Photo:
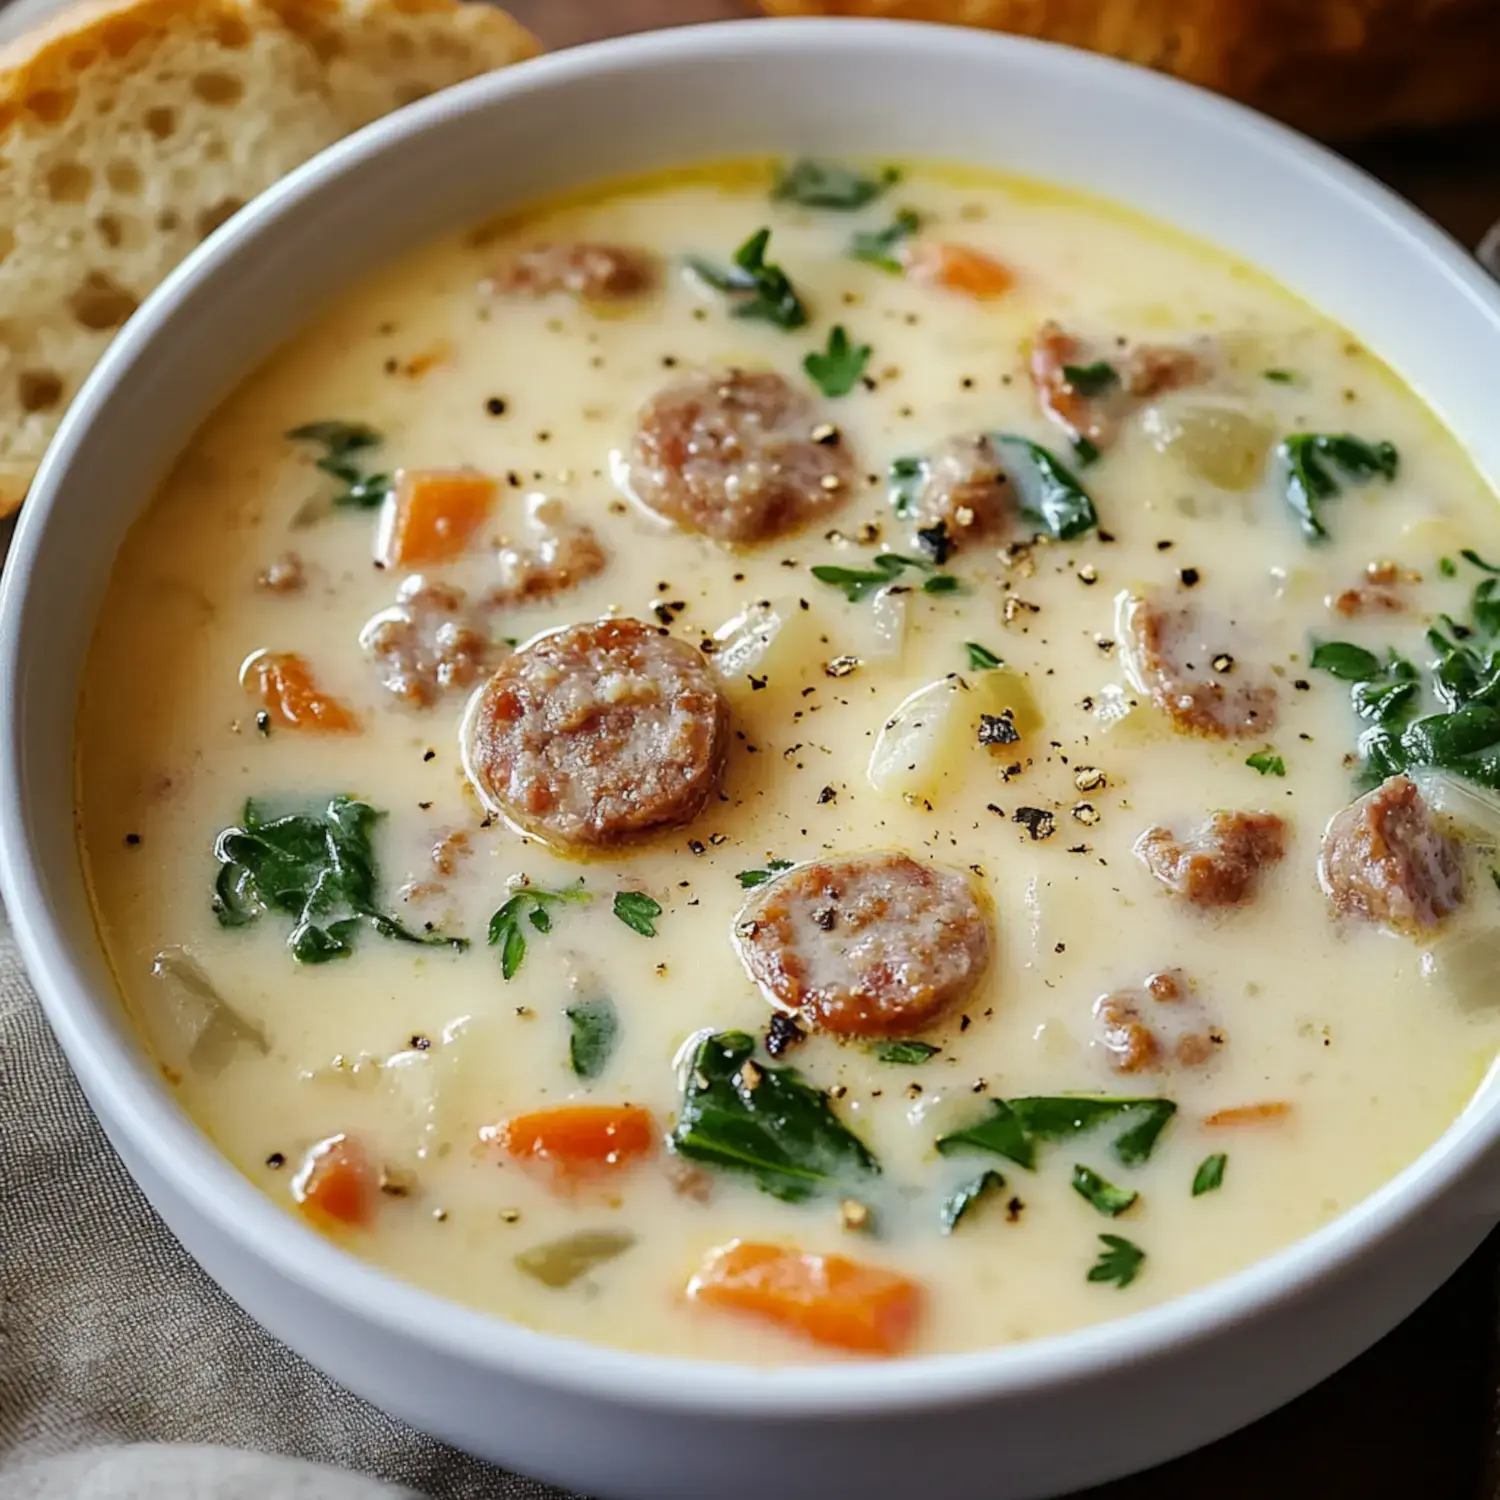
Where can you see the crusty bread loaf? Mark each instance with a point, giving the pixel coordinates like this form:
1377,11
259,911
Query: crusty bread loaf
1336,68
130,129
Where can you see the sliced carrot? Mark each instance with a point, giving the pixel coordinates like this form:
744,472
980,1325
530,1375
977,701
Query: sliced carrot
959,268
336,1182
826,1298
431,513
577,1143
1250,1114
284,682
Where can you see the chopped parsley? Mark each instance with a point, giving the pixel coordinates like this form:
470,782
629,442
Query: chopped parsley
836,370
1119,1261
1091,380
881,247
825,184
1105,1196
909,1053
1013,1128
340,441
1469,555
859,583
1345,661
1210,1174
749,879
981,658
1447,567
1278,377
1313,464
1085,452
319,869
968,1196
594,1030
1267,762
908,476
529,906
756,288
637,911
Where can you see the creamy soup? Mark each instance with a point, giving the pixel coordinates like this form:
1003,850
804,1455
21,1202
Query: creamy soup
772,798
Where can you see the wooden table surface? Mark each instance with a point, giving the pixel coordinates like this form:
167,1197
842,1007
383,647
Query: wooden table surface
1415,1418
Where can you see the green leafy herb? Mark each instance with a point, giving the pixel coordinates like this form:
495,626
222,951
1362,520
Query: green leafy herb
1469,555
749,879
1447,567
1267,762
339,442
981,658
859,583
880,247
637,911
531,904
1091,380
560,1263
1119,1261
1105,1196
962,1199
908,476
1210,1174
595,1029
1049,493
1085,452
760,290
1014,1127
826,184
1278,377
741,1116
316,868
1313,463
1340,659
911,1053
837,369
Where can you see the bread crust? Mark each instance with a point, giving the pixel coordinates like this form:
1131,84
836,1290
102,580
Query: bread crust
1340,69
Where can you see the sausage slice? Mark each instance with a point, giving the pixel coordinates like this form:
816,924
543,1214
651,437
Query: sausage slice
594,273
1384,859
598,733
1179,656
1218,864
966,492
868,945
737,455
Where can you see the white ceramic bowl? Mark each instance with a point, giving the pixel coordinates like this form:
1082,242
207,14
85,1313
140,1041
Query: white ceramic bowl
1022,1421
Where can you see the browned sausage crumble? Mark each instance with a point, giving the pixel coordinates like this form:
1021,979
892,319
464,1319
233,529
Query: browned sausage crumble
598,733
1379,592
427,644
966,492
595,273
1146,1028
1219,863
1384,859
869,945
563,554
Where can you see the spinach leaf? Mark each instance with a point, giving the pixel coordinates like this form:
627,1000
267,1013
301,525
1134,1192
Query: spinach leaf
1267,762
909,1053
339,441
759,290
1085,452
1210,1174
316,868
1119,1261
749,879
637,911
1313,463
1091,380
1014,1127
837,369
962,1199
1105,1196
825,184
595,1030
1469,555
981,658
1278,377
559,1263
859,583
740,1116
531,904
880,247
1340,659
1050,495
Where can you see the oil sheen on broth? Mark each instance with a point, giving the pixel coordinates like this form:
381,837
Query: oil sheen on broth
1026,803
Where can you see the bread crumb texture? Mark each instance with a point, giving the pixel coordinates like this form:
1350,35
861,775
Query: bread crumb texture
131,131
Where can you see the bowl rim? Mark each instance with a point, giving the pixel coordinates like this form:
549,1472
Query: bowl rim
135,1104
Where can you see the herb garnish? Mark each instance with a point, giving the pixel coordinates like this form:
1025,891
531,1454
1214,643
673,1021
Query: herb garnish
908,476
529,904
1267,762
962,1199
637,911
1210,1174
1085,452
1105,1196
595,1028
1050,495
1091,380
559,1263
878,247
1014,1127
826,184
910,1053
749,879
1469,555
1119,1261
859,583
1278,377
318,869
741,1116
1312,464
1346,661
836,370
759,290
339,441
981,658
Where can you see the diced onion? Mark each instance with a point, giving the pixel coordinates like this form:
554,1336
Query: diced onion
1465,963
1221,444
1474,810
211,1028
888,614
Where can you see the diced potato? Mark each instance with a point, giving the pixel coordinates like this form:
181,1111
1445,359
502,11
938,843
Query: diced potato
1462,964
1221,444
934,733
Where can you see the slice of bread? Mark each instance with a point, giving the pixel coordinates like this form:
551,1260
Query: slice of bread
131,129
